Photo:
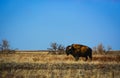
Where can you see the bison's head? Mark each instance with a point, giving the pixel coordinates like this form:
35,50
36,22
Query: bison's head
68,50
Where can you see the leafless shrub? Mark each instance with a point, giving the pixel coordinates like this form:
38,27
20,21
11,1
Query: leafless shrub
94,50
100,48
56,48
61,49
5,47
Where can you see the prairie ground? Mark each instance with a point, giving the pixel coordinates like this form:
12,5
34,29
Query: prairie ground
44,65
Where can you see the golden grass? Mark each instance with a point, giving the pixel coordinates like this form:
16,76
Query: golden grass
44,65
44,57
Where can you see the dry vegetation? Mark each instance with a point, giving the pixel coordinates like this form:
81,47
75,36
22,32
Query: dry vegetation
44,65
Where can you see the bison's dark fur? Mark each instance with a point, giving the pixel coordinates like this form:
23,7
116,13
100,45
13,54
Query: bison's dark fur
77,50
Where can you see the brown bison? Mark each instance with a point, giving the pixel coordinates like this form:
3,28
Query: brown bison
78,50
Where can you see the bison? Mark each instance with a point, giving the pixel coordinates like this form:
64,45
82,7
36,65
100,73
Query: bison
78,50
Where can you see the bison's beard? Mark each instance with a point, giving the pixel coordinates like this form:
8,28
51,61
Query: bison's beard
67,53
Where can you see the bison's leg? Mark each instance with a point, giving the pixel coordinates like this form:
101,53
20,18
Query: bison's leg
76,58
90,56
86,58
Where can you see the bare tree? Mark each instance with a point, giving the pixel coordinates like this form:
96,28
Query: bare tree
5,44
61,49
56,48
94,49
53,48
100,48
5,47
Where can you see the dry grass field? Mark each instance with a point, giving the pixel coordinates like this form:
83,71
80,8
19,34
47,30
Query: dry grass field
44,65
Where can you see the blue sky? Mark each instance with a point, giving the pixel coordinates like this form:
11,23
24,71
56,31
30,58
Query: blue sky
34,24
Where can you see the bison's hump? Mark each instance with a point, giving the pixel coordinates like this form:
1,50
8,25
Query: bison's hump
80,48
